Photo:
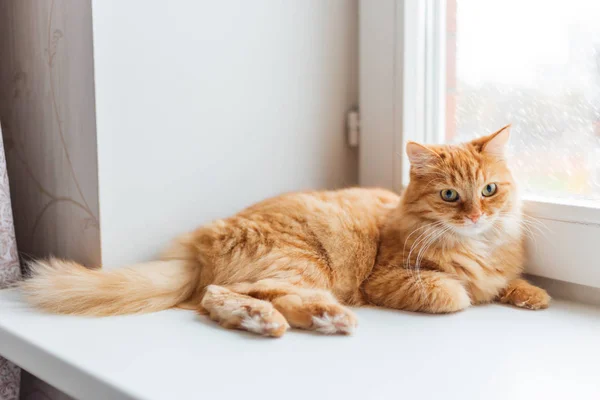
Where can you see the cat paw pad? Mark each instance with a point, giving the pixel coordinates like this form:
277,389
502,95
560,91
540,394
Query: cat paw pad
342,322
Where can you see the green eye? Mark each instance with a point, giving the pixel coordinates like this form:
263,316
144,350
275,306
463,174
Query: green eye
449,195
489,190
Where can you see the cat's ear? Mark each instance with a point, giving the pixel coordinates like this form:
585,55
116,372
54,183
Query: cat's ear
420,155
494,144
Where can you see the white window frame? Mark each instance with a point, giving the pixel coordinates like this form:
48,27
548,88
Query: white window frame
402,97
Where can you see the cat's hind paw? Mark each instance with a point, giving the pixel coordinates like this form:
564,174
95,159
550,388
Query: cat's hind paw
343,322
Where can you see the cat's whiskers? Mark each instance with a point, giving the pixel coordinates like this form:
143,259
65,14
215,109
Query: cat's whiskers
530,224
435,223
527,227
531,234
427,243
415,272
423,236
539,225
430,228
422,252
423,242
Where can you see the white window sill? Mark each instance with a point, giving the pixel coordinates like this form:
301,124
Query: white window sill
491,352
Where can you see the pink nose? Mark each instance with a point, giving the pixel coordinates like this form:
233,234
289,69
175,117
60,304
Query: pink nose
475,217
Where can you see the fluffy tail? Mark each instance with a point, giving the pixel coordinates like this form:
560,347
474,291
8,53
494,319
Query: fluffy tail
65,287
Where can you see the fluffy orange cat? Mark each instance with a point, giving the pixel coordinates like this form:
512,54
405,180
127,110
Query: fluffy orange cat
453,239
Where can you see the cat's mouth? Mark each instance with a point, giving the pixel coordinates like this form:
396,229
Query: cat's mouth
471,229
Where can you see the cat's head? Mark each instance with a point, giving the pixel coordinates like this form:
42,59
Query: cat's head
465,188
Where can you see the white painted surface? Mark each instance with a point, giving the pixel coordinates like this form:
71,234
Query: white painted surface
204,107
566,251
564,239
378,39
488,352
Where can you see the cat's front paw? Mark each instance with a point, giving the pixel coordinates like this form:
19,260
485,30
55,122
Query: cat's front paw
524,295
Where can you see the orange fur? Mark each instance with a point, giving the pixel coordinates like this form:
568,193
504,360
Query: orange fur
297,259
66,287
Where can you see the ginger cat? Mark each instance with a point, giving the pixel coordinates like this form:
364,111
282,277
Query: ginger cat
453,239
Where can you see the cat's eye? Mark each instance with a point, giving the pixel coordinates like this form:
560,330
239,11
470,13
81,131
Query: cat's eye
449,195
489,189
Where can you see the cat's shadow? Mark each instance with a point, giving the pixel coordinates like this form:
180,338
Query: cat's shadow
207,322
415,314
210,324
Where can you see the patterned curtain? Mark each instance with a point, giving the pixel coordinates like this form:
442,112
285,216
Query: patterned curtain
10,375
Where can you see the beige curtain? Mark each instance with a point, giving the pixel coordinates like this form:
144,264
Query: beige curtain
10,375
47,108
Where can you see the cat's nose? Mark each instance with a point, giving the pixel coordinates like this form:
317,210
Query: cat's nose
475,217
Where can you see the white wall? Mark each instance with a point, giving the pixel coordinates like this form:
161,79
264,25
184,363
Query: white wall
204,107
